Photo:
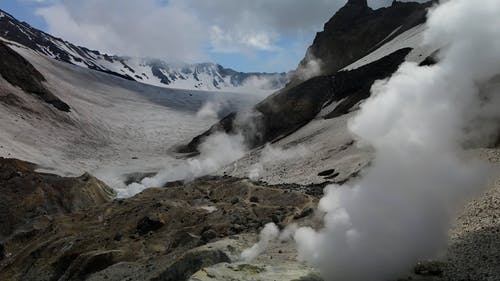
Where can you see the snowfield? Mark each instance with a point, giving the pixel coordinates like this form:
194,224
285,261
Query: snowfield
115,126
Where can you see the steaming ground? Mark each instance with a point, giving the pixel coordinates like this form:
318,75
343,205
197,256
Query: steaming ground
321,145
418,122
115,126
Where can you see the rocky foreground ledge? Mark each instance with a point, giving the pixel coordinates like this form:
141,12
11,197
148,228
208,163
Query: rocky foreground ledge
68,229
56,228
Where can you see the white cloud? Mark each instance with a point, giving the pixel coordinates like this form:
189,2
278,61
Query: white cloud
128,27
234,41
189,30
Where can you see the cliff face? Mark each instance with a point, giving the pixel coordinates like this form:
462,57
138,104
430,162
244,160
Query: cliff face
356,30
353,32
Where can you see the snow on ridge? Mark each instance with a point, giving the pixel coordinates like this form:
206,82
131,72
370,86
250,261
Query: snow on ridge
412,38
202,76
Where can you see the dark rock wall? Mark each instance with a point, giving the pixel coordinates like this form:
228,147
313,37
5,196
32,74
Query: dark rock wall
356,30
353,32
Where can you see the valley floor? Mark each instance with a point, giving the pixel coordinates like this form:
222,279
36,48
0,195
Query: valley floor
115,126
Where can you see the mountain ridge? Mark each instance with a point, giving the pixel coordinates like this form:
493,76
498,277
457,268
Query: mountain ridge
342,42
157,72
357,30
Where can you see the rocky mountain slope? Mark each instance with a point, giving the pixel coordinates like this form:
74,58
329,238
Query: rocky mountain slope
357,30
203,76
300,101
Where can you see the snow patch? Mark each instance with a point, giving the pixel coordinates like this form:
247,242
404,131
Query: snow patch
411,38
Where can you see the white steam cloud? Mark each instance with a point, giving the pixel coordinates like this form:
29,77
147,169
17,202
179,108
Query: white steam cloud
216,151
418,122
262,86
311,68
211,110
271,154
268,234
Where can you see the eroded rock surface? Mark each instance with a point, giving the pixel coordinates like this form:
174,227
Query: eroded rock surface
150,236
30,199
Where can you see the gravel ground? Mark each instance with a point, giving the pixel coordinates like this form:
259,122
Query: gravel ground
474,253
474,250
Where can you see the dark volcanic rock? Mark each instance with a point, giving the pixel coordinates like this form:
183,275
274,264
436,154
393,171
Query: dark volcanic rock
354,86
226,124
356,30
278,115
103,238
190,263
286,111
326,173
149,223
353,32
2,252
430,60
19,72
27,197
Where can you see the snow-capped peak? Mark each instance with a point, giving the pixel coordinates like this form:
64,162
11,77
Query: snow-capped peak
157,72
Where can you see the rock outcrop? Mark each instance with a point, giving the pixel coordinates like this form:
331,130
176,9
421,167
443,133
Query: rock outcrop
30,199
152,236
286,111
19,72
353,32
356,30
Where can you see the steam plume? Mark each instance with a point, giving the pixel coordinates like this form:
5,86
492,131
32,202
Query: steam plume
310,69
216,151
268,234
271,154
417,121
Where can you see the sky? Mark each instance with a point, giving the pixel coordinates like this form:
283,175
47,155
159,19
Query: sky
250,36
